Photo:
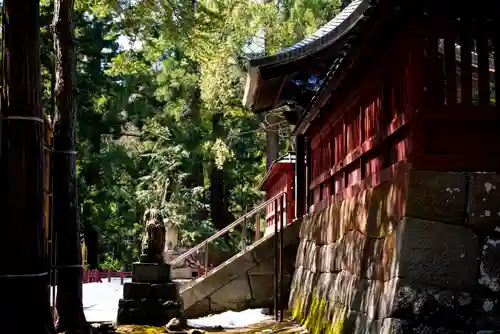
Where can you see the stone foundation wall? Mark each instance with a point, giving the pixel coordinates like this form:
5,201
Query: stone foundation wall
419,255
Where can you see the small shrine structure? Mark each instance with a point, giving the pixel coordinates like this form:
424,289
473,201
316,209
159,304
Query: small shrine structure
279,179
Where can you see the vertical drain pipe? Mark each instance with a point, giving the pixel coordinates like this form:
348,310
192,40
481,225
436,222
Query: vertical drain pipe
282,228
276,259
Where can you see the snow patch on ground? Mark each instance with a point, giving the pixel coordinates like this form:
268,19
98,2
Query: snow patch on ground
230,319
100,304
100,300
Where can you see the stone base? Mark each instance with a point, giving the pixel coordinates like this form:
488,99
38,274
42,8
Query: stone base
148,311
151,298
150,272
166,291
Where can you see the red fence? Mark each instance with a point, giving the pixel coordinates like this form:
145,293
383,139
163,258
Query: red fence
96,276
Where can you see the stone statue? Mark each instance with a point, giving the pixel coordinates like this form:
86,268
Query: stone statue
153,243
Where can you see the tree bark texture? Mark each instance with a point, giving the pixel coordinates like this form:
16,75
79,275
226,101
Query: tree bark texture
24,303
272,139
91,175
218,202
66,218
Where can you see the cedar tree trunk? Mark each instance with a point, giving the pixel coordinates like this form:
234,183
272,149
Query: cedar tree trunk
23,270
66,222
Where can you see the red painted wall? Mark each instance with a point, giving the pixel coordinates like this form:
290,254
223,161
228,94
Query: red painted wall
359,137
280,181
409,110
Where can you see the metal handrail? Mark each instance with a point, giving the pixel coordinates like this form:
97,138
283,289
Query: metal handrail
225,229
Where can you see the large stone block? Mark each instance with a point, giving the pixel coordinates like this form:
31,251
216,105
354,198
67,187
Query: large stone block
309,227
437,254
363,219
347,290
262,287
347,214
489,268
297,280
145,290
150,272
199,309
148,311
437,196
382,209
136,290
328,258
484,200
309,255
333,228
233,294
301,251
397,298
415,249
351,254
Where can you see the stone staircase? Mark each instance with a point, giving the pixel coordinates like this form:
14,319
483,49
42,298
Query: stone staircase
247,279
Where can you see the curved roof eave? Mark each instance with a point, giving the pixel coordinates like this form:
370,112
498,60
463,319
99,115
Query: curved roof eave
318,41
323,37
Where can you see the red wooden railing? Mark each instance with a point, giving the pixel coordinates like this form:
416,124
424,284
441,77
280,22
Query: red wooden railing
243,222
96,276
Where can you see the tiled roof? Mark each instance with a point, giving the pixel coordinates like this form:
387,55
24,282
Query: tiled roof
336,64
323,37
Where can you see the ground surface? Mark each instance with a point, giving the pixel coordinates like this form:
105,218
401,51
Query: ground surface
263,327
100,302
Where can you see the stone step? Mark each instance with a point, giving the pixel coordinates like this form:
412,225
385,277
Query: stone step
244,281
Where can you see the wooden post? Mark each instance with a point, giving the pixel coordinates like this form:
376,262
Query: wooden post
121,278
109,275
206,259
244,232
299,177
276,263
282,228
257,227
308,174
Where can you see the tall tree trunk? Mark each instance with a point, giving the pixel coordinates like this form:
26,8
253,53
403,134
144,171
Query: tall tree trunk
91,175
272,139
24,272
196,177
68,246
218,208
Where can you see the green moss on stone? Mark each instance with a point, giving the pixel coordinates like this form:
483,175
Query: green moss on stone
321,317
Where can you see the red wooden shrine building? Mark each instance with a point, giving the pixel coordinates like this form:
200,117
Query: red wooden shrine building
385,87
279,179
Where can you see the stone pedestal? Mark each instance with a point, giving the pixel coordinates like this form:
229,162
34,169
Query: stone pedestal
151,298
